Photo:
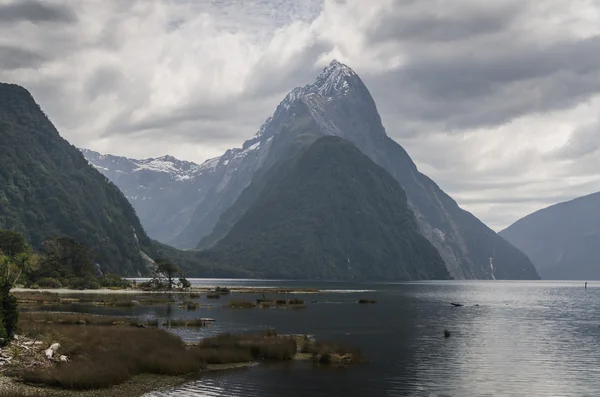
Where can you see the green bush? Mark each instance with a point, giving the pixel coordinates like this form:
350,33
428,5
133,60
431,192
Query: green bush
9,314
83,283
113,280
48,282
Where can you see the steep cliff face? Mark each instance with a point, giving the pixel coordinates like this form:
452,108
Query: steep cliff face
327,211
200,211
339,103
561,240
48,189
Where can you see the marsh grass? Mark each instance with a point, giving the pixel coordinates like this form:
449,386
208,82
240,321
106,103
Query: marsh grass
240,304
102,356
50,298
238,348
281,303
325,352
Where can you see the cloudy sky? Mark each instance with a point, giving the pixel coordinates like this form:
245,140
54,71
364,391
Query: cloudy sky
497,101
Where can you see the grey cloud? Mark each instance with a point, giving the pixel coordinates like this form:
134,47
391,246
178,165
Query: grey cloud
267,80
487,88
18,58
583,142
267,87
104,80
36,12
424,23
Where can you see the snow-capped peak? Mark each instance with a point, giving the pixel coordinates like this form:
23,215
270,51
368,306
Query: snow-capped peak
335,80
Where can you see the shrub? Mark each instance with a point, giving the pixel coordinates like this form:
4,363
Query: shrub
240,304
222,290
9,314
48,282
366,301
83,283
114,280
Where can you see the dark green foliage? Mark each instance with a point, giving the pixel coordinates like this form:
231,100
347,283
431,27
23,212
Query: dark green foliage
65,257
9,314
62,262
193,260
48,189
48,282
329,212
113,280
12,243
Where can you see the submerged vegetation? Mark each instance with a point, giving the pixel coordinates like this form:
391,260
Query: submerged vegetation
266,303
39,298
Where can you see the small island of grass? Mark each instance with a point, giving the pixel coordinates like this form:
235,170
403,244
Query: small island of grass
266,303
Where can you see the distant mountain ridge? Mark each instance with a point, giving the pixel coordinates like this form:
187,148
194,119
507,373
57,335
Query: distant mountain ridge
47,189
338,103
561,240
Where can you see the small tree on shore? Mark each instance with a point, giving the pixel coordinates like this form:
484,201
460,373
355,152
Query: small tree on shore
167,269
183,281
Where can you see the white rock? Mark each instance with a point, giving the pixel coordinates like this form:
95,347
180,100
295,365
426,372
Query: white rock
64,358
50,351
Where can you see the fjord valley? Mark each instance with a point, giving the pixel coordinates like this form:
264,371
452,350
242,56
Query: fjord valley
224,188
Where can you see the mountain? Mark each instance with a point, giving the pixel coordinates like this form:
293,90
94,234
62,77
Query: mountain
179,202
328,212
561,240
339,104
163,191
48,189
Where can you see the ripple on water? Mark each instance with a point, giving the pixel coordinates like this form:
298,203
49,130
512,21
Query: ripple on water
524,339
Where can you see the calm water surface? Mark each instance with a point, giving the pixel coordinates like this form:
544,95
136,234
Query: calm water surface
524,339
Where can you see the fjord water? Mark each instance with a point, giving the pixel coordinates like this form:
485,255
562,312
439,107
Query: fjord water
524,339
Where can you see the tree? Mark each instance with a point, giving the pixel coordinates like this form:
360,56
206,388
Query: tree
12,243
13,260
183,281
167,269
66,257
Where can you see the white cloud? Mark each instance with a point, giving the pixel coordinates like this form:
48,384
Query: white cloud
487,97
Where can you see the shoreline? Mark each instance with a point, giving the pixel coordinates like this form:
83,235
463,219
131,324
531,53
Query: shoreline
137,386
127,291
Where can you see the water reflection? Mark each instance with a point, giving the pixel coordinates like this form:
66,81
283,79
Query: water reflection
523,338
